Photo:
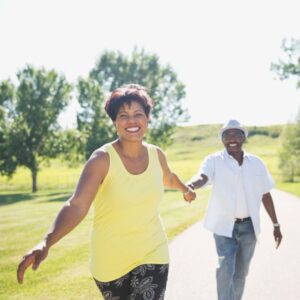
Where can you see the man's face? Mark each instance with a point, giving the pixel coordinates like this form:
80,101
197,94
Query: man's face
233,140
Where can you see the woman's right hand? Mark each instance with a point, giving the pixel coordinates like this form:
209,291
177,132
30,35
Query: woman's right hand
34,257
189,195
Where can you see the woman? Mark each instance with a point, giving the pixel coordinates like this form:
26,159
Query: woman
125,179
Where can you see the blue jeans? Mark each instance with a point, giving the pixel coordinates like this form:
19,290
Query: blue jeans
234,259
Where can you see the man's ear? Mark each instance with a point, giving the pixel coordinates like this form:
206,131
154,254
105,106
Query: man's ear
244,138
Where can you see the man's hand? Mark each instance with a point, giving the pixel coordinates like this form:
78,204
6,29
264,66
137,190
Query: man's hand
277,236
34,257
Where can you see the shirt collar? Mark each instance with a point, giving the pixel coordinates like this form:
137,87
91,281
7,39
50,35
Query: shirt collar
227,155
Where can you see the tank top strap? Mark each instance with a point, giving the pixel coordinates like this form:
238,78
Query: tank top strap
115,162
116,165
153,157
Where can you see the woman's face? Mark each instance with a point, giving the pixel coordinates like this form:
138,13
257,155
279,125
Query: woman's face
131,122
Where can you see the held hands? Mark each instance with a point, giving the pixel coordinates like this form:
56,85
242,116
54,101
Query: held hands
34,257
189,195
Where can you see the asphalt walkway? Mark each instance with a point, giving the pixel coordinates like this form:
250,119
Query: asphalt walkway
274,274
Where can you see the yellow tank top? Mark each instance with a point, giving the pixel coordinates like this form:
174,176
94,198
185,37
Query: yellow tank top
127,229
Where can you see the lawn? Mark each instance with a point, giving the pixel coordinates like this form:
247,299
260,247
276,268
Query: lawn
65,274
25,217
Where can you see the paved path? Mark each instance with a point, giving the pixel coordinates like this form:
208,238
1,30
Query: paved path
274,274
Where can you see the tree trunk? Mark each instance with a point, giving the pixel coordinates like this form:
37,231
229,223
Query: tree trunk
34,179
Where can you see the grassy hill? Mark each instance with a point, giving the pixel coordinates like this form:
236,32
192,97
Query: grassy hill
25,217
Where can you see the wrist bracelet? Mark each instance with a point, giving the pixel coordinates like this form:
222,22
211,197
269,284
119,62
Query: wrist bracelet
191,186
276,225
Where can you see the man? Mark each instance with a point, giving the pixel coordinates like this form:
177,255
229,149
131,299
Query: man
240,182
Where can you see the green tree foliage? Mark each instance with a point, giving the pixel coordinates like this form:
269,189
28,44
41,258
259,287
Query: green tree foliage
115,69
289,161
291,66
92,121
273,131
67,145
7,161
28,115
290,151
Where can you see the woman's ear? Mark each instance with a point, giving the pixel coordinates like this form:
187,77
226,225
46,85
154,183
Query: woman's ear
114,123
116,129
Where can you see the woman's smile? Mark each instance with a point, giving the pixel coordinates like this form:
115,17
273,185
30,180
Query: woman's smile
131,121
133,129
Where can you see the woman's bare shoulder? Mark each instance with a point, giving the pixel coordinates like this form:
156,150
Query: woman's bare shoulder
99,157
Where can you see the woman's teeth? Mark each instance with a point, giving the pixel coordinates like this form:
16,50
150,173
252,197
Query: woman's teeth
132,129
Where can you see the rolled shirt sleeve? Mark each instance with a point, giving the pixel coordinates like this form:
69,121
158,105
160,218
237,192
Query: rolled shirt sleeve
268,183
207,168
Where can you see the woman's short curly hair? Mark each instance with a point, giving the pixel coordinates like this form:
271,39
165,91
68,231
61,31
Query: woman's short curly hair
127,94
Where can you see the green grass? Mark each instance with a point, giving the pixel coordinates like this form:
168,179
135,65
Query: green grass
62,276
56,176
291,187
25,217
65,274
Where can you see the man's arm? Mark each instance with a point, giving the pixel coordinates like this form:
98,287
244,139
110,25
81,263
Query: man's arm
270,208
199,182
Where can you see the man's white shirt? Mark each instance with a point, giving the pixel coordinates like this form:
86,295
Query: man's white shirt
236,190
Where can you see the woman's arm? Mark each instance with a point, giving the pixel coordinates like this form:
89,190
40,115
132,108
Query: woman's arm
72,212
172,181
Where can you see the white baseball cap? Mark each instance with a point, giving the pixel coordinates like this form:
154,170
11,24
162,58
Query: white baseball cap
233,124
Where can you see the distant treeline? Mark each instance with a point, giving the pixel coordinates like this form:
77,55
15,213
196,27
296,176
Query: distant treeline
272,131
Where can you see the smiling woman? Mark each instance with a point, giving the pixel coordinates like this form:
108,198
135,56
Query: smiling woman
132,121
129,109
125,180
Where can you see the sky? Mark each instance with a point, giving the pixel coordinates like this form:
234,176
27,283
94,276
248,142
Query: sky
221,50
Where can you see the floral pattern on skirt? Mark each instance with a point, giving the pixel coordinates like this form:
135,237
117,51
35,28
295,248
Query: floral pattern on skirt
145,282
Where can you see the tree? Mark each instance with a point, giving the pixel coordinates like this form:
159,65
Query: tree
289,159
92,121
29,112
7,160
115,69
290,150
290,67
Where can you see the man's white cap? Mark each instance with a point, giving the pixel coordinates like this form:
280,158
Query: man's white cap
233,124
